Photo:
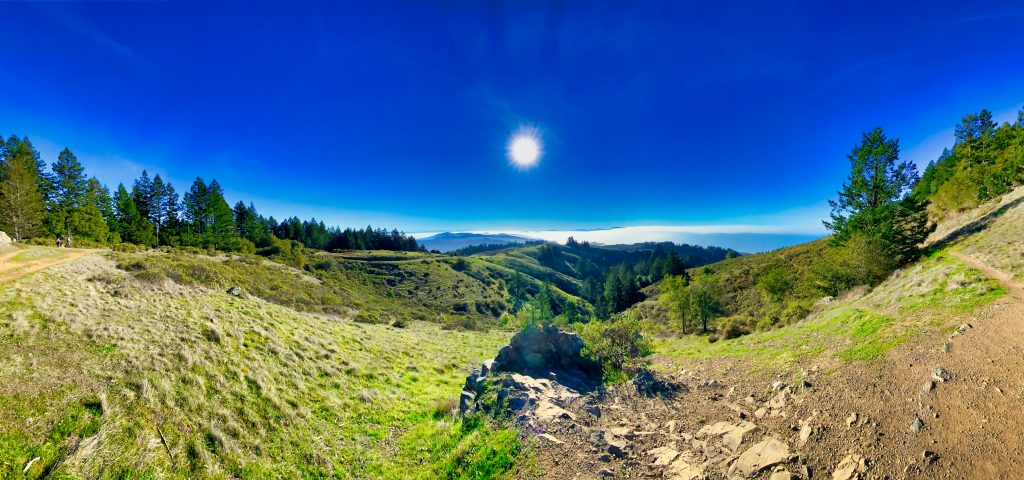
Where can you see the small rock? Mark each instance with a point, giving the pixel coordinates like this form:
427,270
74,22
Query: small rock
663,455
929,456
947,347
928,386
805,434
916,425
605,473
235,291
850,468
781,475
550,438
940,374
766,453
965,327
618,447
852,419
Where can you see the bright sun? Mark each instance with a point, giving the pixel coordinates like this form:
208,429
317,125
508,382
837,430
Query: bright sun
524,150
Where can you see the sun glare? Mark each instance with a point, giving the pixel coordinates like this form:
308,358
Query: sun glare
524,149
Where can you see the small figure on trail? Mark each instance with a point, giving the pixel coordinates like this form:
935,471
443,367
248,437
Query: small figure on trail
67,241
60,242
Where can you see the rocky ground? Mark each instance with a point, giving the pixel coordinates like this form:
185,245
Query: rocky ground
943,406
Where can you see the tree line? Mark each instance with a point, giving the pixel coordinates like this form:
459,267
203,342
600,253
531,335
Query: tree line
62,201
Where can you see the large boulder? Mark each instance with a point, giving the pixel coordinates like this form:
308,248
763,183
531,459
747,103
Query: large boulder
542,351
4,239
538,363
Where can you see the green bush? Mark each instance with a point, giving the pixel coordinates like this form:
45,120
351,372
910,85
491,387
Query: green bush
618,344
860,260
734,327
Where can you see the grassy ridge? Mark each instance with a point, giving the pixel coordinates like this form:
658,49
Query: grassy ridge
128,378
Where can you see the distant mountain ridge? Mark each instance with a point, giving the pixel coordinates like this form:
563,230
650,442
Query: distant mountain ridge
448,241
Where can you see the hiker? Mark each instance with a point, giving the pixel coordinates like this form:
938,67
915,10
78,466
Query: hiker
60,242
67,241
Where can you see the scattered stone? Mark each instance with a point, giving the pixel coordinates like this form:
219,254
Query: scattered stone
548,411
618,447
929,456
650,384
916,425
965,327
851,420
850,468
624,432
805,434
597,438
761,412
778,386
781,475
550,438
940,374
928,386
684,469
235,291
947,347
663,455
764,454
712,384
593,410
605,473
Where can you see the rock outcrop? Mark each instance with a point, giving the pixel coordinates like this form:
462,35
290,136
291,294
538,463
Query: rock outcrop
539,368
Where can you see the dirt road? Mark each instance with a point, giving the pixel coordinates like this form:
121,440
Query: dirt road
18,263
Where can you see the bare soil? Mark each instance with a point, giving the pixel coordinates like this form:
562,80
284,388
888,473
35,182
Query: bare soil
970,425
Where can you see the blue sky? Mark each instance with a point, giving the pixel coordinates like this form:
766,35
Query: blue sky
398,113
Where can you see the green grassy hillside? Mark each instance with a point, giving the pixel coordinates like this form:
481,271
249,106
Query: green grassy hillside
151,374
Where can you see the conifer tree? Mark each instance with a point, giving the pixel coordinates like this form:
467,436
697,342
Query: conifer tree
132,227
21,202
67,196
875,200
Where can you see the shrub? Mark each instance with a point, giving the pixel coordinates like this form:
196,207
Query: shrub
618,344
860,260
733,327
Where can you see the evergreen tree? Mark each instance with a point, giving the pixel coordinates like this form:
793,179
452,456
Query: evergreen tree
874,199
143,192
67,196
21,202
131,226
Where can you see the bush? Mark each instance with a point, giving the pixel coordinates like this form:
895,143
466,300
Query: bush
128,248
860,260
618,344
734,327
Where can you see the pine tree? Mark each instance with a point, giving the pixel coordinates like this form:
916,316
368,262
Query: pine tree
875,200
132,227
21,202
67,194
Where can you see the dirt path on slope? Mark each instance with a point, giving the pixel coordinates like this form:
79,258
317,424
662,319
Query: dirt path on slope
1016,289
11,269
979,424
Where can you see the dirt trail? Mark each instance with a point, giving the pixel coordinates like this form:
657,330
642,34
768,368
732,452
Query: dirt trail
979,424
1016,289
11,269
